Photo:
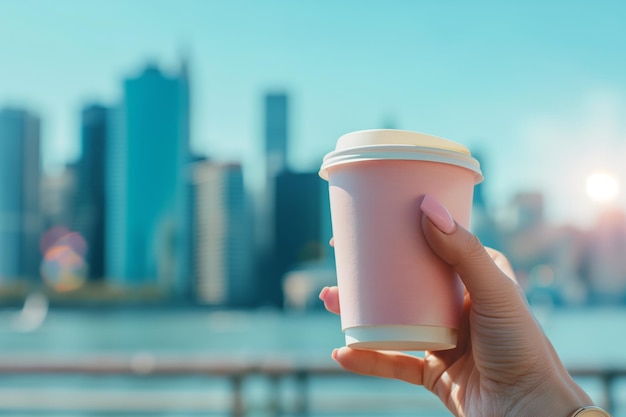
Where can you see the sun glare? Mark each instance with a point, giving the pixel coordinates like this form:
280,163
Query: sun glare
602,187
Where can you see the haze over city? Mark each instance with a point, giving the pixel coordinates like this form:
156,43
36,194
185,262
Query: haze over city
536,89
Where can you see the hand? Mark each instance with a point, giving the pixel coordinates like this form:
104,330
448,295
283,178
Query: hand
503,365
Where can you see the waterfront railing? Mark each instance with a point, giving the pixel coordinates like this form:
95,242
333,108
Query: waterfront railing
235,372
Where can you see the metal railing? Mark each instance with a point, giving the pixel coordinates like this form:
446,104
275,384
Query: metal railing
236,373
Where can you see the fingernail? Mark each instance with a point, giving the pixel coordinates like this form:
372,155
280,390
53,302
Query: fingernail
334,354
332,241
438,214
323,293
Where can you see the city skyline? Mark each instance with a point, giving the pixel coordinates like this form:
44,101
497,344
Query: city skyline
187,227
138,211
537,89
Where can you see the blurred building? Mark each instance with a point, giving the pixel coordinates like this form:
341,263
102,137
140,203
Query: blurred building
58,194
147,211
276,132
525,238
299,232
89,218
301,286
20,182
483,222
546,258
222,236
276,138
528,210
524,233
604,261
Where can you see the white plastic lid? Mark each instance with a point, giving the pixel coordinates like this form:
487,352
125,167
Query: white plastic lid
396,137
391,144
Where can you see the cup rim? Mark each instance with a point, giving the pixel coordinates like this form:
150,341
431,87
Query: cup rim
399,152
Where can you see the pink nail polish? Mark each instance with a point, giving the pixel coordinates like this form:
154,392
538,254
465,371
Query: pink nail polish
323,293
438,214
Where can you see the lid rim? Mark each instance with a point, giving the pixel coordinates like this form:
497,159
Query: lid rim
395,147
400,152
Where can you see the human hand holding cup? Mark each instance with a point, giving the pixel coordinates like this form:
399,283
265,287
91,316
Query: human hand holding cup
503,364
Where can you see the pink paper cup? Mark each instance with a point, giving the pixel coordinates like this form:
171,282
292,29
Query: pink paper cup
395,293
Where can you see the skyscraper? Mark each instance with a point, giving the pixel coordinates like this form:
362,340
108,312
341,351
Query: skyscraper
298,225
223,257
147,182
276,137
90,200
276,132
20,176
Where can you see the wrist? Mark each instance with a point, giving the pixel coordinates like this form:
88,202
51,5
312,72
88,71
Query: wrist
590,411
558,396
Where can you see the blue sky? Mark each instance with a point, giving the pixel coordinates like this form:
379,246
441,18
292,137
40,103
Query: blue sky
536,88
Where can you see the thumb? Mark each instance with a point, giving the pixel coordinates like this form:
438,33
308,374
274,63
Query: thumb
486,283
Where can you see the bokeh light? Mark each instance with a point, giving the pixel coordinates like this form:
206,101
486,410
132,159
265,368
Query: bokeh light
63,267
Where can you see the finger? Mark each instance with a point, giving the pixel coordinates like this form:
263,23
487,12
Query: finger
330,297
502,262
484,280
332,242
392,365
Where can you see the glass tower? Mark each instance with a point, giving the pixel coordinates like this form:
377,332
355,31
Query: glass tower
89,205
275,141
276,132
20,177
147,155
299,231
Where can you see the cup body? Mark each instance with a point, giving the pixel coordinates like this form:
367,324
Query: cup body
395,293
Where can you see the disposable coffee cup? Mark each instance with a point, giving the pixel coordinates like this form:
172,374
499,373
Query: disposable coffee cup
394,292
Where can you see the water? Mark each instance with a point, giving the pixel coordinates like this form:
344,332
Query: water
582,338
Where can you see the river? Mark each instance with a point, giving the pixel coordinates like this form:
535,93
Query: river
583,337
